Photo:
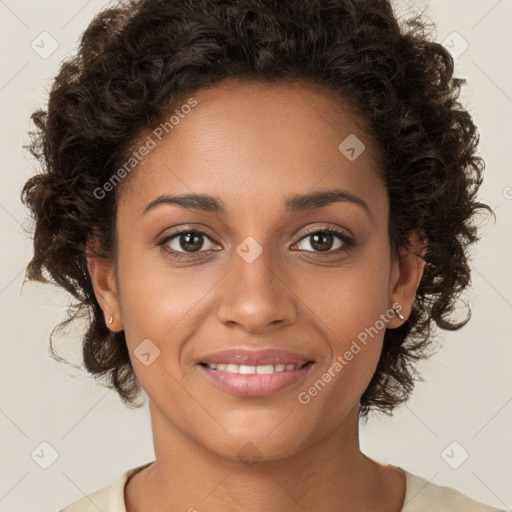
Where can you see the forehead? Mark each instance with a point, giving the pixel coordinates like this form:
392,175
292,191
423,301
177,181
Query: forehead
260,139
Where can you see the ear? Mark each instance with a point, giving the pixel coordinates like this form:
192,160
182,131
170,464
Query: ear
103,279
406,274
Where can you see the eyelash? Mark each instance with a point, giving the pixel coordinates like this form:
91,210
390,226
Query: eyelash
347,241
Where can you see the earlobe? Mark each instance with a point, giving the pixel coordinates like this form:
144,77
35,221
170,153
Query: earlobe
101,271
409,268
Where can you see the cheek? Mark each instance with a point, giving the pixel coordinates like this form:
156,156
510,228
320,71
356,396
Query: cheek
161,308
350,298
157,299
353,312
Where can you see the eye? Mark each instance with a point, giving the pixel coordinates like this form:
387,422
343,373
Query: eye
186,244
324,241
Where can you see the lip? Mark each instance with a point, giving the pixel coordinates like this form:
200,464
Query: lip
254,357
255,385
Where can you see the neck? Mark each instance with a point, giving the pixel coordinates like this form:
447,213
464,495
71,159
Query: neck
329,474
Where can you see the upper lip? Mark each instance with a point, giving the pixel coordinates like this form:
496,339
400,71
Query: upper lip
241,356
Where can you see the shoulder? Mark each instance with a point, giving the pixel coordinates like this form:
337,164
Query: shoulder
422,496
109,498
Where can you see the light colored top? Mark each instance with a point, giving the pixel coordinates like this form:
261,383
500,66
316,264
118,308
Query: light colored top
420,496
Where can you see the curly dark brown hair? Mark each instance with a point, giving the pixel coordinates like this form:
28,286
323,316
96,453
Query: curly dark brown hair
137,60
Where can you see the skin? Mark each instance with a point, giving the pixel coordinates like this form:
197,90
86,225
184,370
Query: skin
253,145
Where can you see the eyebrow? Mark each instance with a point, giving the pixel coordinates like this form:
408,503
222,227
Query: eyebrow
296,203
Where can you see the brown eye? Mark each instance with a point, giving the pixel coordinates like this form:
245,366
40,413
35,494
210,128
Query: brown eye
324,241
187,244
191,241
321,241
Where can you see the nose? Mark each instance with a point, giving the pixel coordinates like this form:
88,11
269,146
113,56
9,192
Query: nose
257,295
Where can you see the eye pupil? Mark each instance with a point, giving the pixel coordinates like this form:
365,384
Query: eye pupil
321,246
195,239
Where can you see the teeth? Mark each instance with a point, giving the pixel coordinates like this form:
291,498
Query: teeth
246,370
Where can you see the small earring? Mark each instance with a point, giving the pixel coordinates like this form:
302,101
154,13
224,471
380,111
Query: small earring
111,320
398,314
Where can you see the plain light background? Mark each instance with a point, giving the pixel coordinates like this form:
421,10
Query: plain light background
464,406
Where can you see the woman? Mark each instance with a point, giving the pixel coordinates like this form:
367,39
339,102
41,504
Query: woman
250,200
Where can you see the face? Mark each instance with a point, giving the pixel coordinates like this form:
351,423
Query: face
256,268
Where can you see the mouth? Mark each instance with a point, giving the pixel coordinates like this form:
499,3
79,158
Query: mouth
254,373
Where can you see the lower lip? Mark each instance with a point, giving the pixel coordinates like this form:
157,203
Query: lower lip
254,385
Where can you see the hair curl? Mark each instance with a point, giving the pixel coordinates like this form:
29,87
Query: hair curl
136,60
